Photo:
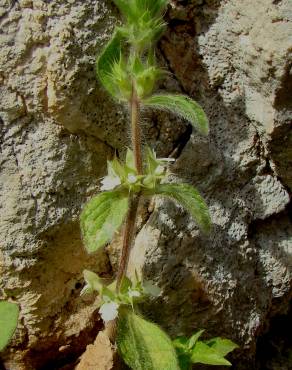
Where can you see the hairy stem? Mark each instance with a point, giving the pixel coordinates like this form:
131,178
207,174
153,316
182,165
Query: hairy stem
128,238
129,229
135,130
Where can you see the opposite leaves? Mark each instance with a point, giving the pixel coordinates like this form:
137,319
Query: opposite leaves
8,321
209,352
101,217
143,345
182,106
190,199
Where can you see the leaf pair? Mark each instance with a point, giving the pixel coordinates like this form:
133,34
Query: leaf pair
103,215
8,321
130,293
118,75
210,352
119,85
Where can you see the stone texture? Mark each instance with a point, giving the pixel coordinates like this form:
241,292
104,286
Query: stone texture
58,127
98,355
235,60
47,173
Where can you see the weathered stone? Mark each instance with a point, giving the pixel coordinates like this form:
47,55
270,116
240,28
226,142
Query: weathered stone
58,127
232,279
98,355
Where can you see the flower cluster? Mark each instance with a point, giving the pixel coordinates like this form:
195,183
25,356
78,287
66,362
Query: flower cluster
127,177
110,301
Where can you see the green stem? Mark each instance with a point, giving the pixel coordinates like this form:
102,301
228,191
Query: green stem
130,223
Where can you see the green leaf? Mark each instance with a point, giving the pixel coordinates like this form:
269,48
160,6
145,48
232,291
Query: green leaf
182,106
110,57
181,343
221,346
132,10
130,161
204,354
155,7
125,285
101,218
184,362
116,168
143,345
152,162
190,199
194,338
93,282
8,322
126,8
181,346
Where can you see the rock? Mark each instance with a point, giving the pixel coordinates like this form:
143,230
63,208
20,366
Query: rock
98,356
230,281
57,129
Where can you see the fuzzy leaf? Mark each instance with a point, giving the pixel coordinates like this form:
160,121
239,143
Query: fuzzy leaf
101,218
93,282
8,322
194,338
155,7
182,106
190,199
143,345
109,57
130,161
126,8
181,343
132,10
204,354
221,346
126,284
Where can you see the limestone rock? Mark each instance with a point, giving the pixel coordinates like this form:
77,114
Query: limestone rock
58,127
98,355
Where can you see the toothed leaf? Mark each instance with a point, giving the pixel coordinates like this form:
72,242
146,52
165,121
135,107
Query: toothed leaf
109,57
101,217
221,345
8,322
143,345
194,338
183,107
190,199
204,354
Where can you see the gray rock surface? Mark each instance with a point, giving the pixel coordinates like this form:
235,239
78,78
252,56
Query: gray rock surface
58,127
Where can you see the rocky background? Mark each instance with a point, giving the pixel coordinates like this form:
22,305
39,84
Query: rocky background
58,127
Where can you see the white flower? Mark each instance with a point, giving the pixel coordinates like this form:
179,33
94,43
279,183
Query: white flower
109,311
110,182
132,179
134,293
